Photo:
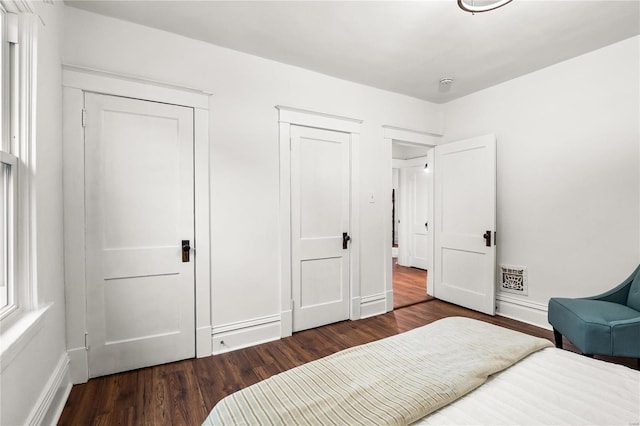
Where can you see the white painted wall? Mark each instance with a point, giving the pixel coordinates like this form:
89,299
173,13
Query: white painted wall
24,381
568,169
244,142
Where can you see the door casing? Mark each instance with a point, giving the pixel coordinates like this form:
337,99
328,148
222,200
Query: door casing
287,117
76,81
417,138
413,137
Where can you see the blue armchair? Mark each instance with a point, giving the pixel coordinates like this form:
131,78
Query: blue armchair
607,324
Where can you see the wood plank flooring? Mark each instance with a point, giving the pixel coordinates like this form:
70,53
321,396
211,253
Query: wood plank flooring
409,285
183,393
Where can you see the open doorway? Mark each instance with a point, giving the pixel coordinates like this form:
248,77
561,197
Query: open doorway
411,238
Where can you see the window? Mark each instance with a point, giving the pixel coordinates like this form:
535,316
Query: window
8,163
17,291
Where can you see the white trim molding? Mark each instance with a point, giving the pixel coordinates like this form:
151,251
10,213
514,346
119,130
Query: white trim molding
51,401
92,80
375,304
76,81
20,333
17,6
287,117
414,137
242,334
318,120
533,313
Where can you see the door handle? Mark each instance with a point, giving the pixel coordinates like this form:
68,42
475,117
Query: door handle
186,249
345,240
426,226
487,238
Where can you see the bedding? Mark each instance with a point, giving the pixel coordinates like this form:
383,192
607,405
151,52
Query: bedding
393,381
551,386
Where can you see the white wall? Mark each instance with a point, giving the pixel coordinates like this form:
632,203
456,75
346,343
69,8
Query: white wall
568,161
26,380
244,141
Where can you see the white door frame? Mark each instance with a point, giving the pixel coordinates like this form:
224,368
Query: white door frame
76,81
293,116
415,137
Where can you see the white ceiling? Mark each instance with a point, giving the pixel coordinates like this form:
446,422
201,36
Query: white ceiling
404,47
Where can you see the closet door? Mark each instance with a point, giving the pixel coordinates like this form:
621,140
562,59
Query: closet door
320,246
139,228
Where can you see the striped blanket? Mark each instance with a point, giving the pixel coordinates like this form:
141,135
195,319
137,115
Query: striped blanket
393,381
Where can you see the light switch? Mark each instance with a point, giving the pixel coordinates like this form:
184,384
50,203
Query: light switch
372,198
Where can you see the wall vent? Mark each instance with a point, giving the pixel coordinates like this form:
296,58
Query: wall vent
513,279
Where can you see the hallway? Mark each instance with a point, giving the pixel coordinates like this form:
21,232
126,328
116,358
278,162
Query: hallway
409,285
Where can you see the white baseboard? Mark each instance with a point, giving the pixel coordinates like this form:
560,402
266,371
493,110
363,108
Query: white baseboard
203,342
375,304
286,323
78,365
355,313
53,397
242,334
522,310
389,300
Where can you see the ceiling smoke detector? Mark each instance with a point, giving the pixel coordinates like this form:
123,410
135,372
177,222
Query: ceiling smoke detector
445,85
477,6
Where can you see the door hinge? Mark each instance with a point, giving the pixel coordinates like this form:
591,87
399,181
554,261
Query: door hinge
84,117
292,304
86,346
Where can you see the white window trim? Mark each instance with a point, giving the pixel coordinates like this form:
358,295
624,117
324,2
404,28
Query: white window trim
18,326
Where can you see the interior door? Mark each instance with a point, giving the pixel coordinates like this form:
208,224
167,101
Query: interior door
419,201
465,219
139,209
320,199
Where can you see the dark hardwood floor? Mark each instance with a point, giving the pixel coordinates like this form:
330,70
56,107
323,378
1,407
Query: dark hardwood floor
183,393
409,285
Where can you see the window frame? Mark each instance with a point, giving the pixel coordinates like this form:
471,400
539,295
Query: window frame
8,159
17,151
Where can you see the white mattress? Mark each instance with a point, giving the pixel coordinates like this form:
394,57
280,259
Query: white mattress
551,386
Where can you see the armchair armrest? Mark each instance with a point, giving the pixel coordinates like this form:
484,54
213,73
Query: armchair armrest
618,294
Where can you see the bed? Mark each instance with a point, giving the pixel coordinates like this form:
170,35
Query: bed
453,371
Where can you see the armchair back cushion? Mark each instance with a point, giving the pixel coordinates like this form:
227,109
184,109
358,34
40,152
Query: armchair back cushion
633,299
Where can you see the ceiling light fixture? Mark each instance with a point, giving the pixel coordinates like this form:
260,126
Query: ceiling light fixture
477,6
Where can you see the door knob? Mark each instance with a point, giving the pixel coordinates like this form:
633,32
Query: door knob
345,240
186,249
487,238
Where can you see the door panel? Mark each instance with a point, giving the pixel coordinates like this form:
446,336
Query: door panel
320,195
419,200
139,208
465,208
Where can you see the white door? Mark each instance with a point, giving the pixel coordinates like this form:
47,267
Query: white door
419,183
320,199
465,219
139,208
